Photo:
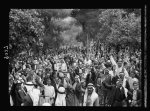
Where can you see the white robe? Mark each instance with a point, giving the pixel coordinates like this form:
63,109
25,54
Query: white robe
60,100
49,91
35,95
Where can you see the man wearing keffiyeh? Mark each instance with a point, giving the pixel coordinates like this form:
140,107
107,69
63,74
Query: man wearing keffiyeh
90,96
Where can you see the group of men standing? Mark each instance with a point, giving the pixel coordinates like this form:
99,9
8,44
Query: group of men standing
76,84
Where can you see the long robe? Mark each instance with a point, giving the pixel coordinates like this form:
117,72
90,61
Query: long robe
36,94
49,94
60,100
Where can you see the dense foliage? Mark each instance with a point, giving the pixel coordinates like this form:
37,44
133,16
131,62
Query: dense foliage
25,30
110,26
42,29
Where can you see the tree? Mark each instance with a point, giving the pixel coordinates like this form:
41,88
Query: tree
53,27
120,27
88,19
25,30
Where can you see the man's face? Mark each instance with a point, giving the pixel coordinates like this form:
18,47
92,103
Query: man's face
83,84
114,67
132,75
48,81
135,86
121,75
56,79
119,64
76,79
90,89
106,72
119,84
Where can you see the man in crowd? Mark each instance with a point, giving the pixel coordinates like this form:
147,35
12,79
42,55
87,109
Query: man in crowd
90,96
61,95
49,92
65,75
135,95
107,82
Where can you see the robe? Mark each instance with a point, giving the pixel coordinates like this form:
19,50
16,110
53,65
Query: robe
60,99
35,95
69,96
49,94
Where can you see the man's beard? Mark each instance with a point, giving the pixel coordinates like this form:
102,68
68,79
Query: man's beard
119,66
90,92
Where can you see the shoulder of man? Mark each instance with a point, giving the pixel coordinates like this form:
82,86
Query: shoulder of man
139,91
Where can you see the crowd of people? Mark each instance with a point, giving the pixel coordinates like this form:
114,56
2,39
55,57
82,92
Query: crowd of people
72,77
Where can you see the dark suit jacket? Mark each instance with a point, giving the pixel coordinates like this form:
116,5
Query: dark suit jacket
22,94
107,86
15,95
114,80
27,101
118,96
93,76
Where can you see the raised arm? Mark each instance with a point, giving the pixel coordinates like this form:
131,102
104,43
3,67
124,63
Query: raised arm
53,93
103,66
126,72
113,61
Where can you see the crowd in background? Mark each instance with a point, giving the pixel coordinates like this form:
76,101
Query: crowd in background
76,77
